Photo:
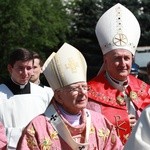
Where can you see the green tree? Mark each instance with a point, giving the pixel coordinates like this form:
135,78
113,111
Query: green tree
85,14
40,25
144,19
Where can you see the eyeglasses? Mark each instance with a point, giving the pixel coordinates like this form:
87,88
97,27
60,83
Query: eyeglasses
76,90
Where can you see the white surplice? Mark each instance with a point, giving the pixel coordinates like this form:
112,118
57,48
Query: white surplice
16,111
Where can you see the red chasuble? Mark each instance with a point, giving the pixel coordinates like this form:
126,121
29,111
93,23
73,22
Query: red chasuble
112,103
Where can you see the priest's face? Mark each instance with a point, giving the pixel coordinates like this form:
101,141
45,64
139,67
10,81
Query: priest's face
73,98
118,63
21,71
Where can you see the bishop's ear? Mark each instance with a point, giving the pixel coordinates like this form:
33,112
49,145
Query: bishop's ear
58,97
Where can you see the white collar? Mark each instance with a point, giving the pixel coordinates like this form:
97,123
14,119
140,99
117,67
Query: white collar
21,85
120,85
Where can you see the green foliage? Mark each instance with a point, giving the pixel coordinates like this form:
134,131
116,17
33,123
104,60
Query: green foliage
144,19
39,25
85,14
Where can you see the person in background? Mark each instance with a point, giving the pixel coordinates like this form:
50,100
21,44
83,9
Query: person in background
3,139
20,100
37,69
119,96
134,69
140,136
67,124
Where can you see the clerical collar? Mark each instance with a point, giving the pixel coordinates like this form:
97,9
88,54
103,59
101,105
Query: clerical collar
120,85
74,120
16,88
21,85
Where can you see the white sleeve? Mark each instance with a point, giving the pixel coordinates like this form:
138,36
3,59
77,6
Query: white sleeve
140,136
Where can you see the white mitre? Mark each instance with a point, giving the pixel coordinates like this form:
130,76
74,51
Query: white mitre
118,28
65,67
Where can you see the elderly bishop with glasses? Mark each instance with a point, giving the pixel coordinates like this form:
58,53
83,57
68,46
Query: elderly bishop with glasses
67,124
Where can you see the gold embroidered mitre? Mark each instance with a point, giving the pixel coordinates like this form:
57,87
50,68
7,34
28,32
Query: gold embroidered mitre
65,67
